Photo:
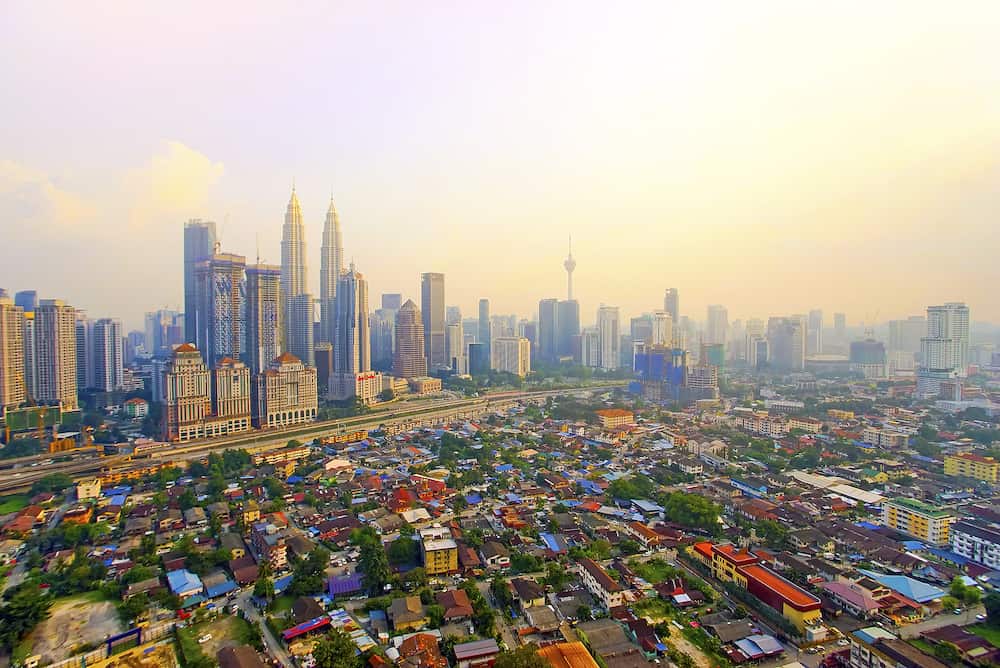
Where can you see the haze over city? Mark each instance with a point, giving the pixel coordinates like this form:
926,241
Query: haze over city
771,158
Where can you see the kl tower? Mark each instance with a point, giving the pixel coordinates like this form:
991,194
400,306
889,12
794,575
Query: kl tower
570,265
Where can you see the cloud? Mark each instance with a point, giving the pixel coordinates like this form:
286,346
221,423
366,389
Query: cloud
28,197
174,184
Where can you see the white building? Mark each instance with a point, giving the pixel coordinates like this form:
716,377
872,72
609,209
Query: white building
55,353
976,541
609,331
511,354
108,360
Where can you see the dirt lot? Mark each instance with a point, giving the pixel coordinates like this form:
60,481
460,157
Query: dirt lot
160,656
226,631
684,646
73,622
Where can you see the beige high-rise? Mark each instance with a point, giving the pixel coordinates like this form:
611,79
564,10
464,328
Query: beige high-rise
55,353
408,360
286,394
12,386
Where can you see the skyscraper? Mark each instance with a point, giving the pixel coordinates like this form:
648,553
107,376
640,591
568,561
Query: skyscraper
840,328
199,243
511,354
108,355
352,343
608,331
30,355
293,272
220,309
432,308
548,336
84,351
301,317
944,351
382,325
663,328
12,384
392,300
570,265
330,268
815,344
717,325
26,299
484,335
55,353
455,342
567,326
409,360
786,343
672,304
263,316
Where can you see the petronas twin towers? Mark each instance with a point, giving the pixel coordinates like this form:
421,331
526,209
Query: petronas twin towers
298,304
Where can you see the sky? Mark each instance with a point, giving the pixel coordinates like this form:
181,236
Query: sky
770,156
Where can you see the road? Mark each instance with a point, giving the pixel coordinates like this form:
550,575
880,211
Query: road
272,645
506,632
944,619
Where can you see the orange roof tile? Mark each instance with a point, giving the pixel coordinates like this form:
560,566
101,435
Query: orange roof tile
794,596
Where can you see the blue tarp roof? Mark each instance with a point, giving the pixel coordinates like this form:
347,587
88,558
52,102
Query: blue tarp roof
117,500
867,525
913,545
221,589
473,499
294,479
281,584
921,592
504,468
183,581
344,584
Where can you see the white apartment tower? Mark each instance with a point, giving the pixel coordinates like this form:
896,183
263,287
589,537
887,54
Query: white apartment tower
608,329
108,360
12,383
511,354
55,353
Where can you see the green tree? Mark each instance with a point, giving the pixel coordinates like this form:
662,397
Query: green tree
134,607
264,587
525,656
992,604
336,650
947,653
27,606
971,596
556,575
372,561
957,588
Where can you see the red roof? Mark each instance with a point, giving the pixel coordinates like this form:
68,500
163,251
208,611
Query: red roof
286,357
737,556
704,549
794,596
185,348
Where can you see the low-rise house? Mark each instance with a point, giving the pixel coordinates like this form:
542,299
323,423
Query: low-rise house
408,614
528,593
494,555
476,654
421,650
456,604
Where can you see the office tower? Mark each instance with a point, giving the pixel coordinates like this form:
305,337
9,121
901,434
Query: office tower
814,345
752,336
293,274
27,300
220,308
162,331
717,325
641,328
323,352
905,335
548,336
484,333
567,326
331,266
187,394
868,358
383,334
840,328
135,345
13,391
231,393
199,244
662,332
301,315
30,356
352,343
944,351
392,301
84,351
479,363
607,328
452,315
672,304
108,360
590,348
786,343
511,354
455,343
570,265
408,359
55,353
263,316
432,309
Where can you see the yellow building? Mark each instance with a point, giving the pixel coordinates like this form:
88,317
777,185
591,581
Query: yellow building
250,513
439,550
838,414
969,465
918,519
88,489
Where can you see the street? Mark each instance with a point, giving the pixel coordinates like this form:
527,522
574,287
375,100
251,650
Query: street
272,645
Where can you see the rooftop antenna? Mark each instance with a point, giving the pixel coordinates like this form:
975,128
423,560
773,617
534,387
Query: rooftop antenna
258,247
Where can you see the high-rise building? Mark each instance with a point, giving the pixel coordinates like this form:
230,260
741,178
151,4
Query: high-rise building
570,265
752,337
55,353
392,301
408,359
263,316
286,394
27,300
641,328
840,328
331,266
548,330
717,325
452,315
814,345
786,343
294,281
484,334
868,358
352,343
109,357
324,367
455,343
199,244
672,304
662,328
220,309
383,334
608,329
905,335
231,394
13,390
590,348
479,363
30,356
85,378
567,326
944,351
301,314
511,354
163,330
432,309
187,394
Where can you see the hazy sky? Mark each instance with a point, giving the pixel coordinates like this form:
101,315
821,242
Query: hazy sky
771,157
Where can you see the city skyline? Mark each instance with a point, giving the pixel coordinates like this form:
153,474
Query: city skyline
801,166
